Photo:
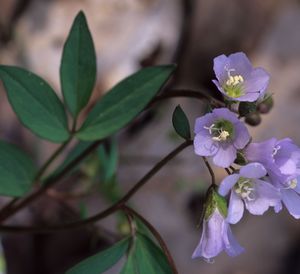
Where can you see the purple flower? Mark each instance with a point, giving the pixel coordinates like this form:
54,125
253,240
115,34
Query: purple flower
248,189
216,233
237,79
216,237
219,134
281,159
291,198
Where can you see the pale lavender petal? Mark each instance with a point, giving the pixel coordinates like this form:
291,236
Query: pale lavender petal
225,156
288,167
292,202
278,207
211,242
248,97
235,209
204,121
226,114
232,247
240,62
257,82
266,195
205,146
227,184
261,152
219,87
253,170
242,136
220,63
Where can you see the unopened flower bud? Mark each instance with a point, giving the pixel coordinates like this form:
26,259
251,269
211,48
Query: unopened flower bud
266,105
253,119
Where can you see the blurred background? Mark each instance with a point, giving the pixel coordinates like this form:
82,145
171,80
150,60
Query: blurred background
128,35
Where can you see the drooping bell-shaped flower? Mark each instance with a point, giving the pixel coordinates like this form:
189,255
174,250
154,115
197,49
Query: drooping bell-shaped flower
238,80
220,134
216,233
249,189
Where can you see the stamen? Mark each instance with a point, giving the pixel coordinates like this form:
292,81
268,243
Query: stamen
275,150
244,188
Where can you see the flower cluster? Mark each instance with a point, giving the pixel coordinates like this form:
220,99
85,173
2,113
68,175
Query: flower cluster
264,174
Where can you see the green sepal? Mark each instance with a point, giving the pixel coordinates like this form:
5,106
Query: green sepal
246,108
240,158
214,201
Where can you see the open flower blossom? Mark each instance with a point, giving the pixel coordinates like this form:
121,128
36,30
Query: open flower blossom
237,79
220,134
282,161
216,233
247,188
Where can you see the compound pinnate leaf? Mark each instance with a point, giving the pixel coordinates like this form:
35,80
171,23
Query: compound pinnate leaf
124,102
35,103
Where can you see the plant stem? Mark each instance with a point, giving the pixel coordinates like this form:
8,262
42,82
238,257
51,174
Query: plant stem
212,174
156,235
103,214
197,94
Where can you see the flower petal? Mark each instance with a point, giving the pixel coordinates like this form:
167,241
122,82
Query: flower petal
232,247
227,184
226,114
261,152
225,156
211,242
204,121
205,146
266,195
220,63
292,202
235,209
242,136
253,170
257,82
240,63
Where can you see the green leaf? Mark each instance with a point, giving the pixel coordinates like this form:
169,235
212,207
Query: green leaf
146,257
17,171
124,102
102,261
108,161
35,103
78,66
181,123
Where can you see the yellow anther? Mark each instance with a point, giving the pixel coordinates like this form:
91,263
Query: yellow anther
293,183
222,137
234,80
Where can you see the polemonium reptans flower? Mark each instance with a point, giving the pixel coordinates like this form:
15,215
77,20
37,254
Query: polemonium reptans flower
282,161
219,134
216,233
237,79
247,188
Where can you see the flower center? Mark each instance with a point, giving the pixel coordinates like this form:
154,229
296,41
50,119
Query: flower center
234,84
244,188
293,184
221,131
